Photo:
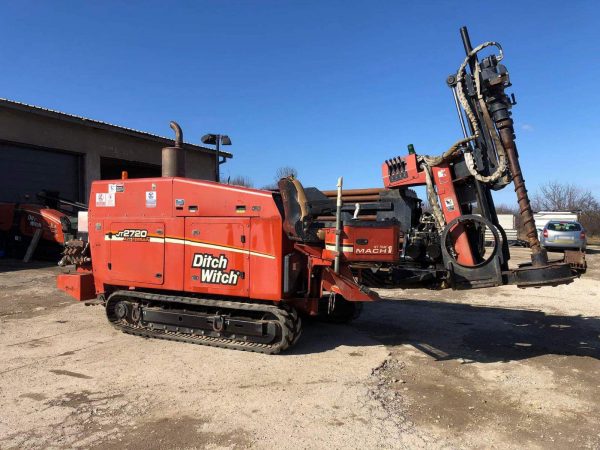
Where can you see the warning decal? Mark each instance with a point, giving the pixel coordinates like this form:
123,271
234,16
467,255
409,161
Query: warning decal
150,199
443,176
104,200
113,188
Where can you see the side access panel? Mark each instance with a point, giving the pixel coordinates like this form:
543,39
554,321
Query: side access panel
217,256
136,252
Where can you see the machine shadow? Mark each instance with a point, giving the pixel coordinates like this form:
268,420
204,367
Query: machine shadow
14,265
449,331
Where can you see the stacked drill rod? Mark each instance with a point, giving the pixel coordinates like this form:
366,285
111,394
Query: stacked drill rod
353,196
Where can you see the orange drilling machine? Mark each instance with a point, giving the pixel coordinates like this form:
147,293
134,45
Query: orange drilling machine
234,267
54,217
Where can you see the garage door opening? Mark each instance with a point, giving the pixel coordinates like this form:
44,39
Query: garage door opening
27,170
111,168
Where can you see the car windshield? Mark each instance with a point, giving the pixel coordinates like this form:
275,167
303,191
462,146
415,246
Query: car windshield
564,226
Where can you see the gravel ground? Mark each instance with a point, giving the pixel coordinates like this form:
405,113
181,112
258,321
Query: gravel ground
500,367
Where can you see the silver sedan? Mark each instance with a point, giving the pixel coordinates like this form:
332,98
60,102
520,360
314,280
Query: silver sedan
560,235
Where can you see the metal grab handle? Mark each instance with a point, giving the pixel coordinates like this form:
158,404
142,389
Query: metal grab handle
338,226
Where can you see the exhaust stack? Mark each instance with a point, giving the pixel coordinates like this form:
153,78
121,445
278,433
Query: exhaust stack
173,158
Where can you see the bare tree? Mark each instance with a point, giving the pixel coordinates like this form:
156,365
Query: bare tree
284,172
241,180
556,196
506,209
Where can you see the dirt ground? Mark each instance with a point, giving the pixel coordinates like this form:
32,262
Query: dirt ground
500,367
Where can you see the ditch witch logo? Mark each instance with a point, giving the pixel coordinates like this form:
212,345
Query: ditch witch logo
214,269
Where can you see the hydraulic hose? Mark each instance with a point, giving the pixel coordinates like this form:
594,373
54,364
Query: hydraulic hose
501,152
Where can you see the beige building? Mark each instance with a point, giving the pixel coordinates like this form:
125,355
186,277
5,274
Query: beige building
45,149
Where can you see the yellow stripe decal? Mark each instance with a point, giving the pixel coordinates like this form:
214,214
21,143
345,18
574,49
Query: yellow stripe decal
192,243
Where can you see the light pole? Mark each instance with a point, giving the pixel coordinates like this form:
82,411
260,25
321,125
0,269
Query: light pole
217,140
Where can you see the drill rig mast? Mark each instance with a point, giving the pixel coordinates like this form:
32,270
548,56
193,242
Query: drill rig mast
485,159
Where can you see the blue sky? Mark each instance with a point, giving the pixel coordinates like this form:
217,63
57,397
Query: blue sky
329,87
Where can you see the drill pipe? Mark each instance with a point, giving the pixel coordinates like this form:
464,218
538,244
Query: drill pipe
332,218
354,192
359,198
539,257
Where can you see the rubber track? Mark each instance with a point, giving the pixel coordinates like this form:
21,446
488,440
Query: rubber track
289,321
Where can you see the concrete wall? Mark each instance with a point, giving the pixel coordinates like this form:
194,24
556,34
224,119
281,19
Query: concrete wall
52,133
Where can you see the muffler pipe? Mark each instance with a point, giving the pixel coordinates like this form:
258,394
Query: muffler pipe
173,158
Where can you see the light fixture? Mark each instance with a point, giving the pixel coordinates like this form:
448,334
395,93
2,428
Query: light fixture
217,140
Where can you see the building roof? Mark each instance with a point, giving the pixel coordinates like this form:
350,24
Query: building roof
101,125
